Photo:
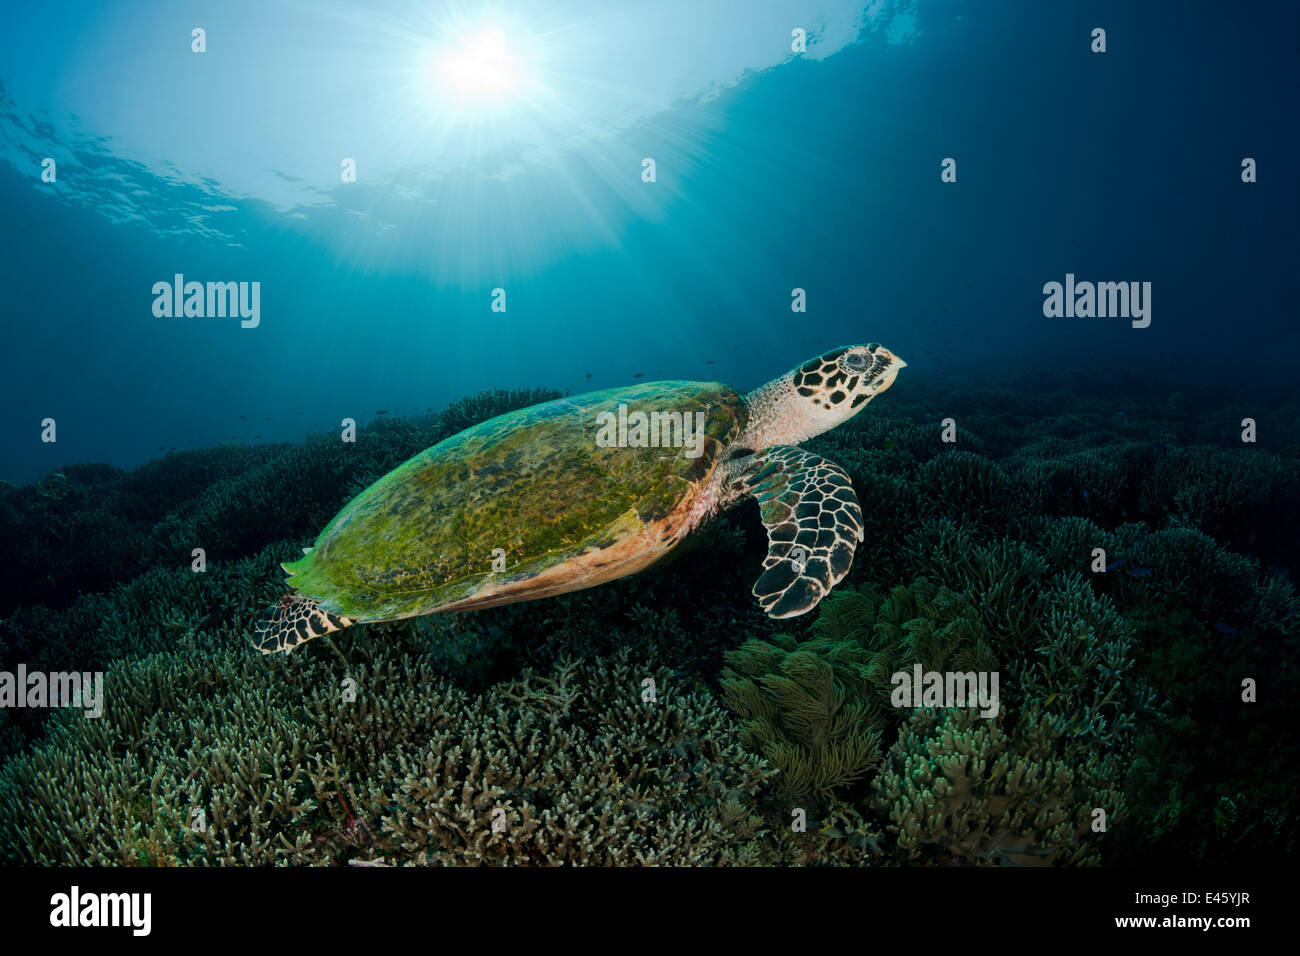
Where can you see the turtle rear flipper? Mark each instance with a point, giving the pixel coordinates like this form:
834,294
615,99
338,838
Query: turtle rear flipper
292,620
813,523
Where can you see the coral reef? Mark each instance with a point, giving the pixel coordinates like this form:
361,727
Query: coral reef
1121,689
961,785
965,486
922,623
224,759
808,708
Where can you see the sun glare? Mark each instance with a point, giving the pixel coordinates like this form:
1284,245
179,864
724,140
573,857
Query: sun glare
482,70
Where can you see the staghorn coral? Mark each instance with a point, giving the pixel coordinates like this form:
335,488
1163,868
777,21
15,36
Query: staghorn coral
64,534
922,623
1205,750
929,625
1275,608
1076,648
1067,544
1080,672
889,439
285,770
578,769
1001,578
1189,569
960,785
1055,477
179,735
1246,498
965,486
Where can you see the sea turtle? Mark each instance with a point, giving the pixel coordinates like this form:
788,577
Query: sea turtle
578,491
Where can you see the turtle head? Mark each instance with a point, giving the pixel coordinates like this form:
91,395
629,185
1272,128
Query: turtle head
820,394
836,385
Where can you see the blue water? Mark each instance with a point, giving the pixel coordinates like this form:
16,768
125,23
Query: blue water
774,171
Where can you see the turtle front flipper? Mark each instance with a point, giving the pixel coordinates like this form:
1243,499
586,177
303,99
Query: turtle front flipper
292,620
813,523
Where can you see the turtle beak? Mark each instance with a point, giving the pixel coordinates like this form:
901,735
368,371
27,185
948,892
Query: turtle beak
892,363
890,357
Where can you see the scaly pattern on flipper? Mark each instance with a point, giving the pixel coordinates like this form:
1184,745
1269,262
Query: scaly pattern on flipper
292,620
813,523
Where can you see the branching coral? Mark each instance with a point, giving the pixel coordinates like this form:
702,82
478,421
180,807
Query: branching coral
287,764
1000,578
919,624
454,751
1245,498
1081,671
1058,478
1186,568
960,785
966,486
577,767
1069,543
192,762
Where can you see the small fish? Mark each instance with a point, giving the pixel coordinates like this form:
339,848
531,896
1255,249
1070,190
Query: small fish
968,285
710,362
1123,512
300,413
1085,494
943,310
832,831
1117,564
1050,489
381,411
1158,448
1223,627
243,418
1140,572
639,375
268,418
588,375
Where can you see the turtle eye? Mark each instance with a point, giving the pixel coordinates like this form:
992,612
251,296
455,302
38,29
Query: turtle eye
855,361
